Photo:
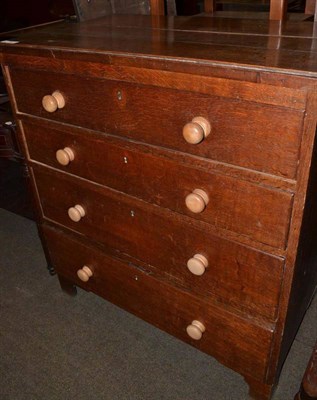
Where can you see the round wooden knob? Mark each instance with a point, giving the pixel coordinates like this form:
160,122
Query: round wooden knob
76,213
84,273
197,201
195,330
197,264
65,156
53,101
197,130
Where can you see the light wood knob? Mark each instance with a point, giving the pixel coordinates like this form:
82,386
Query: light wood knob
65,156
195,330
76,213
197,130
197,264
197,201
84,273
54,101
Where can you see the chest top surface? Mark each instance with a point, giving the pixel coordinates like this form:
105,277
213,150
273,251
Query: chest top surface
288,46
172,160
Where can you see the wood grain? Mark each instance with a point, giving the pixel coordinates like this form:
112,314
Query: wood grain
95,40
35,127
278,9
166,307
263,138
131,83
250,210
236,274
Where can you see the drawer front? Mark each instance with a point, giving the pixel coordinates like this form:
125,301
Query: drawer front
260,213
246,279
232,340
257,136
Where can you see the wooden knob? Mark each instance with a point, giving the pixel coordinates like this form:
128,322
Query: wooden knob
76,213
195,330
197,201
197,264
84,273
197,130
53,101
65,156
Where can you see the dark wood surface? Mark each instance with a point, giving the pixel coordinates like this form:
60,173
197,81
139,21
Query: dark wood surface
108,220
286,46
234,205
140,293
305,271
255,80
244,133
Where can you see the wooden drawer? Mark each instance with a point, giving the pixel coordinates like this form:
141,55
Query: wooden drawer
246,279
231,339
254,211
257,136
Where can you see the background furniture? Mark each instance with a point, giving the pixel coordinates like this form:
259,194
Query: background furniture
14,177
276,8
308,390
183,192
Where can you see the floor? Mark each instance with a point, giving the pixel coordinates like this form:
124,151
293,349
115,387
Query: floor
53,346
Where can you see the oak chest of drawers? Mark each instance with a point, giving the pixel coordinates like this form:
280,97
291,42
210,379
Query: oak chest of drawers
174,174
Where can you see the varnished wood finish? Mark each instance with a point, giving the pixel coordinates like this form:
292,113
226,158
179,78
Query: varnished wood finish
54,134
259,390
179,37
177,308
126,224
157,7
231,205
278,9
243,133
210,6
131,83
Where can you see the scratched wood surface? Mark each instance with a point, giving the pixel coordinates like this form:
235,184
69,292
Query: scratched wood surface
130,84
269,44
116,281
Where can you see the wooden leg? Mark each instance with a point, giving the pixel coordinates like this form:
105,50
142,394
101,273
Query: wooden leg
310,6
278,9
308,389
259,390
157,7
51,269
210,6
67,286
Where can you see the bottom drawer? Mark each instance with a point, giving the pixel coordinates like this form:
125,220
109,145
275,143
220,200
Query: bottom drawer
233,340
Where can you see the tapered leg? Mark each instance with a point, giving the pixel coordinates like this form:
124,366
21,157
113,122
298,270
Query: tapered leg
67,286
259,390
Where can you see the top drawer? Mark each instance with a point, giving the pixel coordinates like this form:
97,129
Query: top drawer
258,136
